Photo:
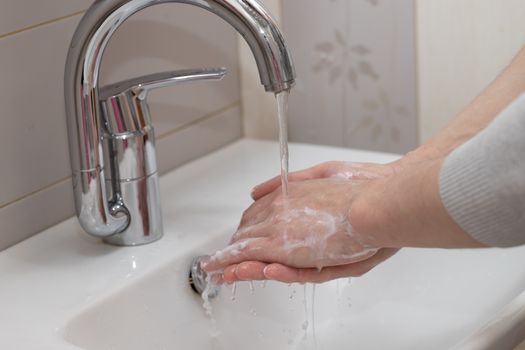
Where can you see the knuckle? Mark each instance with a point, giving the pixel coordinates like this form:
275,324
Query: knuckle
244,218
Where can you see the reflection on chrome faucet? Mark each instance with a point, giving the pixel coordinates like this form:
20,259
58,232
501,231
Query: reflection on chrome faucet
111,137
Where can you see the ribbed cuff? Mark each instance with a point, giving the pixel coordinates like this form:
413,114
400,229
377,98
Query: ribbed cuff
469,193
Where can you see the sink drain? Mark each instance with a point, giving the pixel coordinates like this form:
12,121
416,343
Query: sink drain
198,279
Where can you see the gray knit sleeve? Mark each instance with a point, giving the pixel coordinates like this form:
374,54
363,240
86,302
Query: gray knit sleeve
482,182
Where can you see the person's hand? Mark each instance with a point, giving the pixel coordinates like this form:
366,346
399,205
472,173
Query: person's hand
306,238
332,169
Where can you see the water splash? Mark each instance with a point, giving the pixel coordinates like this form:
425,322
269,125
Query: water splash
206,304
312,306
305,324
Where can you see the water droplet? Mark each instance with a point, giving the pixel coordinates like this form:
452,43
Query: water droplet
252,288
292,295
253,312
304,326
312,308
234,289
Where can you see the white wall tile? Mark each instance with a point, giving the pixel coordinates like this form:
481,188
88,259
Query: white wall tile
20,14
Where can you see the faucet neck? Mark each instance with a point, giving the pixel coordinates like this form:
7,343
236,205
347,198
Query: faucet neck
99,215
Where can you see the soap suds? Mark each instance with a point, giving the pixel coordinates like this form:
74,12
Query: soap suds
327,224
211,285
318,228
357,171
231,250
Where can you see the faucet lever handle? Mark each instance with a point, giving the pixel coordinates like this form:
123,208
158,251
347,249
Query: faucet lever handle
141,86
124,104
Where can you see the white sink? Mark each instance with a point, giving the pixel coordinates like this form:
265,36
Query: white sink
63,290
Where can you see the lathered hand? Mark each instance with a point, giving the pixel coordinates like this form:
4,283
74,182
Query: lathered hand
304,237
332,169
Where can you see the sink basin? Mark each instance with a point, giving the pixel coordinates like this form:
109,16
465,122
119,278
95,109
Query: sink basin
419,299
64,290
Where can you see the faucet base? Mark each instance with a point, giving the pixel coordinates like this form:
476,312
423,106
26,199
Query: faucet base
118,239
141,198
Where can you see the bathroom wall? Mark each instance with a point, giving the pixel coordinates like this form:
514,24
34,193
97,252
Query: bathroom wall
461,47
258,107
383,75
356,73
192,120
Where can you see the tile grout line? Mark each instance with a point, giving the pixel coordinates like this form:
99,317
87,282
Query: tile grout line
25,196
160,137
199,120
25,29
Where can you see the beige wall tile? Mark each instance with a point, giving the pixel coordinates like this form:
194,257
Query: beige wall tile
316,101
381,101
199,139
462,46
20,14
38,211
356,82
47,207
258,107
169,37
33,138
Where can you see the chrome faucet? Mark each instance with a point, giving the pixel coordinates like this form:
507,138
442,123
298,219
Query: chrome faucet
111,137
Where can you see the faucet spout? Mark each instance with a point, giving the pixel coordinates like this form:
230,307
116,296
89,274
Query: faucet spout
101,208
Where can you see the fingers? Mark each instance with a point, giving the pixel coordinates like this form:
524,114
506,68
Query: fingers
255,270
251,249
271,185
344,170
287,274
255,214
249,271
246,271
249,232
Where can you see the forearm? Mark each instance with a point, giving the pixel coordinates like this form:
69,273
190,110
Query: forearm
499,94
405,210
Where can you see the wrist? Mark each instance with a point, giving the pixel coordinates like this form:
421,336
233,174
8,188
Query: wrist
405,210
